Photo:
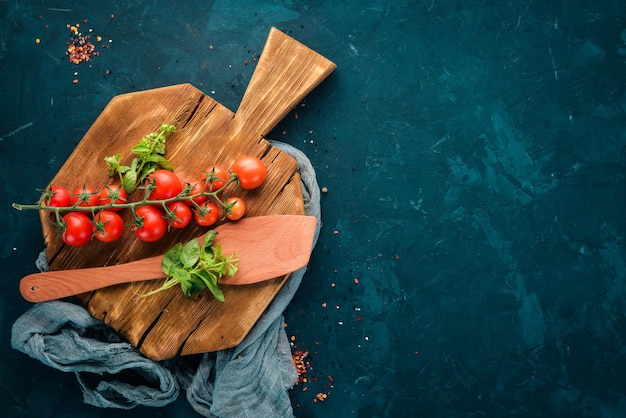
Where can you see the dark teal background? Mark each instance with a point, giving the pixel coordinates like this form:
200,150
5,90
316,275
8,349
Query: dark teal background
475,161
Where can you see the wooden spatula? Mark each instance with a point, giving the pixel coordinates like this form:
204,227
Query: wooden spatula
267,247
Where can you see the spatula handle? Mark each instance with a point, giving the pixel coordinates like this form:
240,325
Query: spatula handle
51,285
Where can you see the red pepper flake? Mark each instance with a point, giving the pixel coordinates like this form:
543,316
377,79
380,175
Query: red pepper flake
356,280
359,318
320,397
246,62
301,360
79,47
112,16
75,81
295,116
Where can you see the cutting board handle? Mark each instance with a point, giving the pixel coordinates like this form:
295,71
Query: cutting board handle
285,73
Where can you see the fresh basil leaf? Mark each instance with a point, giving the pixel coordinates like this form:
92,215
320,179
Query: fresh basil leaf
140,149
114,163
211,283
130,181
232,269
181,275
187,288
190,254
209,237
171,259
160,161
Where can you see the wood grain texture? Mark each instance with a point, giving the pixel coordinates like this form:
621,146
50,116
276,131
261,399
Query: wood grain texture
169,324
266,246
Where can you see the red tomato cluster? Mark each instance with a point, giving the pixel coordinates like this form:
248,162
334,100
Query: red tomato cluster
152,221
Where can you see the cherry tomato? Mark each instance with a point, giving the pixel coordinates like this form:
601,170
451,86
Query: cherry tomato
237,208
197,187
182,212
250,170
207,215
111,228
153,226
57,197
167,185
113,194
84,197
217,177
77,229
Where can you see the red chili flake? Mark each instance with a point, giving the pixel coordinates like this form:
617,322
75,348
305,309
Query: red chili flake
79,47
284,132
245,62
75,81
112,16
330,378
359,318
295,116
356,280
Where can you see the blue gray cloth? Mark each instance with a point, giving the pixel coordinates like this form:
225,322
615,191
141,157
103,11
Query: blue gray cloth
250,380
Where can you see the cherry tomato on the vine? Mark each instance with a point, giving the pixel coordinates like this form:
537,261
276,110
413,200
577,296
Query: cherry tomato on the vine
237,208
84,197
250,170
167,185
113,193
77,229
182,212
57,197
196,187
217,177
109,226
207,215
153,224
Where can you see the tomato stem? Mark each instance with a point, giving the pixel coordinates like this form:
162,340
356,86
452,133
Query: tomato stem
183,196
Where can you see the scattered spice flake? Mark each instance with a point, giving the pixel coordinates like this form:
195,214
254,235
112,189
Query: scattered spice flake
324,305
356,280
324,189
79,47
321,396
303,364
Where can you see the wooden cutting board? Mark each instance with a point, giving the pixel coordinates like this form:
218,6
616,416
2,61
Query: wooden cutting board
169,324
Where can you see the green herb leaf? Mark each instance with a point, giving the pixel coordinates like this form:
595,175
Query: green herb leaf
171,259
129,181
190,254
197,267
